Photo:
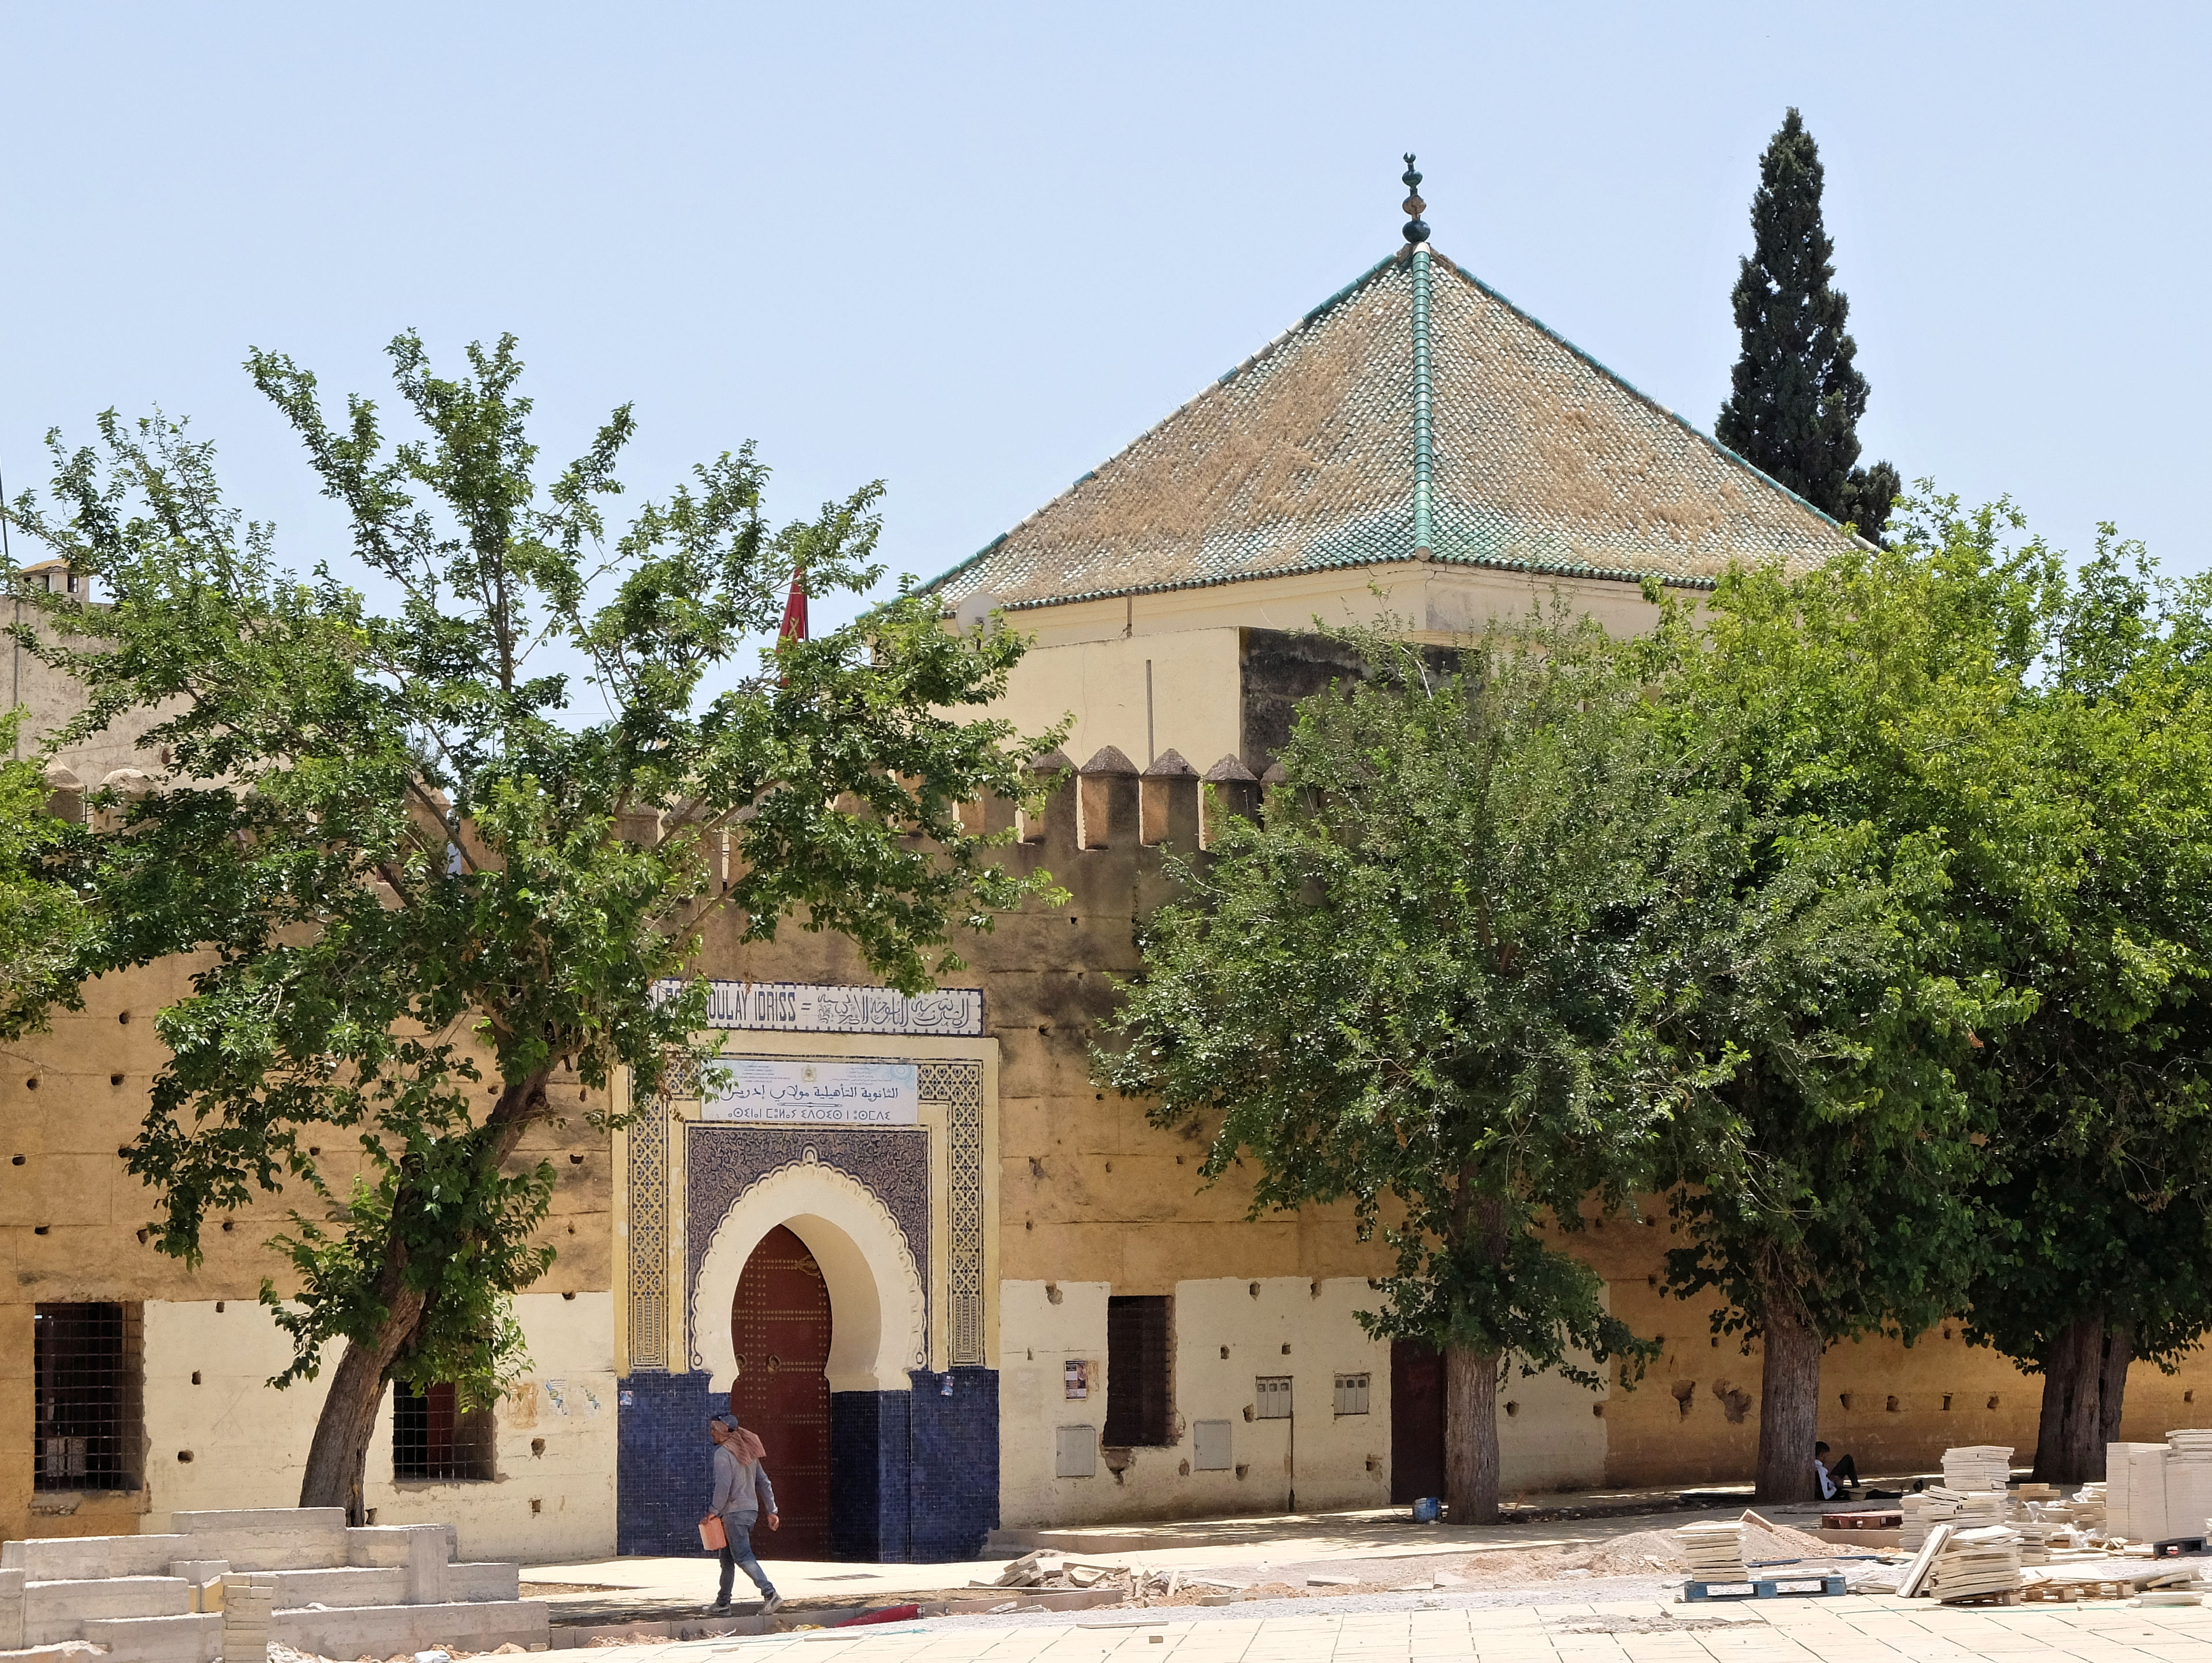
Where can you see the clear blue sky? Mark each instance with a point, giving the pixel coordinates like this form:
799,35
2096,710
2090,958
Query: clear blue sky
974,250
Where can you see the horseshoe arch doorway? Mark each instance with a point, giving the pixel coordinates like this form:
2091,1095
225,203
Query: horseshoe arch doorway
780,1328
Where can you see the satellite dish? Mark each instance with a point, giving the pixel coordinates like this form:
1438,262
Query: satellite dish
974,610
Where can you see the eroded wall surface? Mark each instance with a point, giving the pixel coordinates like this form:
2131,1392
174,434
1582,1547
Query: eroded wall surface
72,1223
208,1364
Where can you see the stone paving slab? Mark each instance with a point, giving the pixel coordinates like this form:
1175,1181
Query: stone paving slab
1854,1629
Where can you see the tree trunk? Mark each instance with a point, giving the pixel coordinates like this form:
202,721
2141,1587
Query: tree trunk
2066,1448
1789,1403
2112,1390
338,1459
1471,1436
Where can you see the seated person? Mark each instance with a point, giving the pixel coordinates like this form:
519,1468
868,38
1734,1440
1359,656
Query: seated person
1833,1477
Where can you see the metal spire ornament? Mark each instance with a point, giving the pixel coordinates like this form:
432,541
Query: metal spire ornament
1416,228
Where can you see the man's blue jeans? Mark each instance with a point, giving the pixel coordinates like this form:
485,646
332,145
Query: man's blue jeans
740,1552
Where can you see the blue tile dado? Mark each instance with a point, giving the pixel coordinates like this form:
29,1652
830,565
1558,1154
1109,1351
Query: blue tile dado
954,1474
914,1475
664,1463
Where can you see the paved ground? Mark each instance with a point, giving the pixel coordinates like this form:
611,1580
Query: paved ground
1856,1628
611,1590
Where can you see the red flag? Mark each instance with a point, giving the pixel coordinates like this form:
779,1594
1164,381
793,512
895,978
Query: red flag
794,614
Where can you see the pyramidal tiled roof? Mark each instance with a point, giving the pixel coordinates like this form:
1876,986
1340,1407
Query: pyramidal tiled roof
1418,411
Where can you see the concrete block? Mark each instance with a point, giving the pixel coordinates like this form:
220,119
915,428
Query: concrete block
390,1544
477,1626
245,1616
58,1611
499,1579
83,1558
250,1550
11,1611
345,1585
183,1639
428,1556
260,1518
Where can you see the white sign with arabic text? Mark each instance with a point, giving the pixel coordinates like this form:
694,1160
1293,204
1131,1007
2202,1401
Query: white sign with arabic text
789,1092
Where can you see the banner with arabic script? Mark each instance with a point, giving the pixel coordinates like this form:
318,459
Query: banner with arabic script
824,1007
788,1091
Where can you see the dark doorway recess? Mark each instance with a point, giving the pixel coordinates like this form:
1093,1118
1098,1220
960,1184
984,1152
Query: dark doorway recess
1139,1370
780,1328
1417,1421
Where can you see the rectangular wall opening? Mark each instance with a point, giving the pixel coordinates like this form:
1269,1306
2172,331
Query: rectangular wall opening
1139,1370
435,1441
88,1369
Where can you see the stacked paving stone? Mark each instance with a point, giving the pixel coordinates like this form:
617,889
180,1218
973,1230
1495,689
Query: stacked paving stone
2135,1491
1975,1467
226,1584
1973,1564
2187,1481
1713,1552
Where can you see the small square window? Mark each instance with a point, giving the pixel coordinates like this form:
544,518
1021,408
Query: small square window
1274,1397
435,1441
1075,1451
1352,1394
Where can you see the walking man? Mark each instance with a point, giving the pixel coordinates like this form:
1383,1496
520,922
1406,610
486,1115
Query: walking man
742,1495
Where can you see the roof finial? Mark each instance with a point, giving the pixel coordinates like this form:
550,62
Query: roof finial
1416,228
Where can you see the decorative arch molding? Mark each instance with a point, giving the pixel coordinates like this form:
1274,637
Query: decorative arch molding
879,1322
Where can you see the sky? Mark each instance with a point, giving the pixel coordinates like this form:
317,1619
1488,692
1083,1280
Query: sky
974,250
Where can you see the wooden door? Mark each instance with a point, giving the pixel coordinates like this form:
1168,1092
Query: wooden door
1417,1421
779,1326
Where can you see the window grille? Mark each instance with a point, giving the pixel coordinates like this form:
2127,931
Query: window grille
1139,1371
88,1365
435,1440
1274,1393
1352,1394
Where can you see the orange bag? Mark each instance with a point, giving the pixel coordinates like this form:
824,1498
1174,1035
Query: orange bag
712,1535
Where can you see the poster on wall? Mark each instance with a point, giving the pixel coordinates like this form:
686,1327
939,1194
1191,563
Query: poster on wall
1079,1379
791,1092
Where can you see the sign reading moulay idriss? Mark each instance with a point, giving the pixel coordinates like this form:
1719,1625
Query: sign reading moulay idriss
823,1007
792,1092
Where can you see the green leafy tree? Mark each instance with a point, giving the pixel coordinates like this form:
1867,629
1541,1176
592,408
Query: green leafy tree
1421,985
1850,973
2099,1229
41,918
423,880
1796,392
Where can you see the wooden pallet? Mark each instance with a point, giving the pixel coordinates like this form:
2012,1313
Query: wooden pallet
2064,1593
1765,1587
2001,1597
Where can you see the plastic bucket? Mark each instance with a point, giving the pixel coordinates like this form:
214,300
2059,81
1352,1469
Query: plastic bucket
1427,1510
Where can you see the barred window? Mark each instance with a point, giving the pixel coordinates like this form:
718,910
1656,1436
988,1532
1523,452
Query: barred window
88,1364
435,1440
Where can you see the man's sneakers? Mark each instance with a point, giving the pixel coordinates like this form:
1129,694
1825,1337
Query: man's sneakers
718,1611
769,1605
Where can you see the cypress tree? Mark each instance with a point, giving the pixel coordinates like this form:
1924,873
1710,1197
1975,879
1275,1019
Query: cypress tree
1798,393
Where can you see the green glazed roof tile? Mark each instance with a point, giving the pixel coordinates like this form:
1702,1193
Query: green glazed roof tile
1302,459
